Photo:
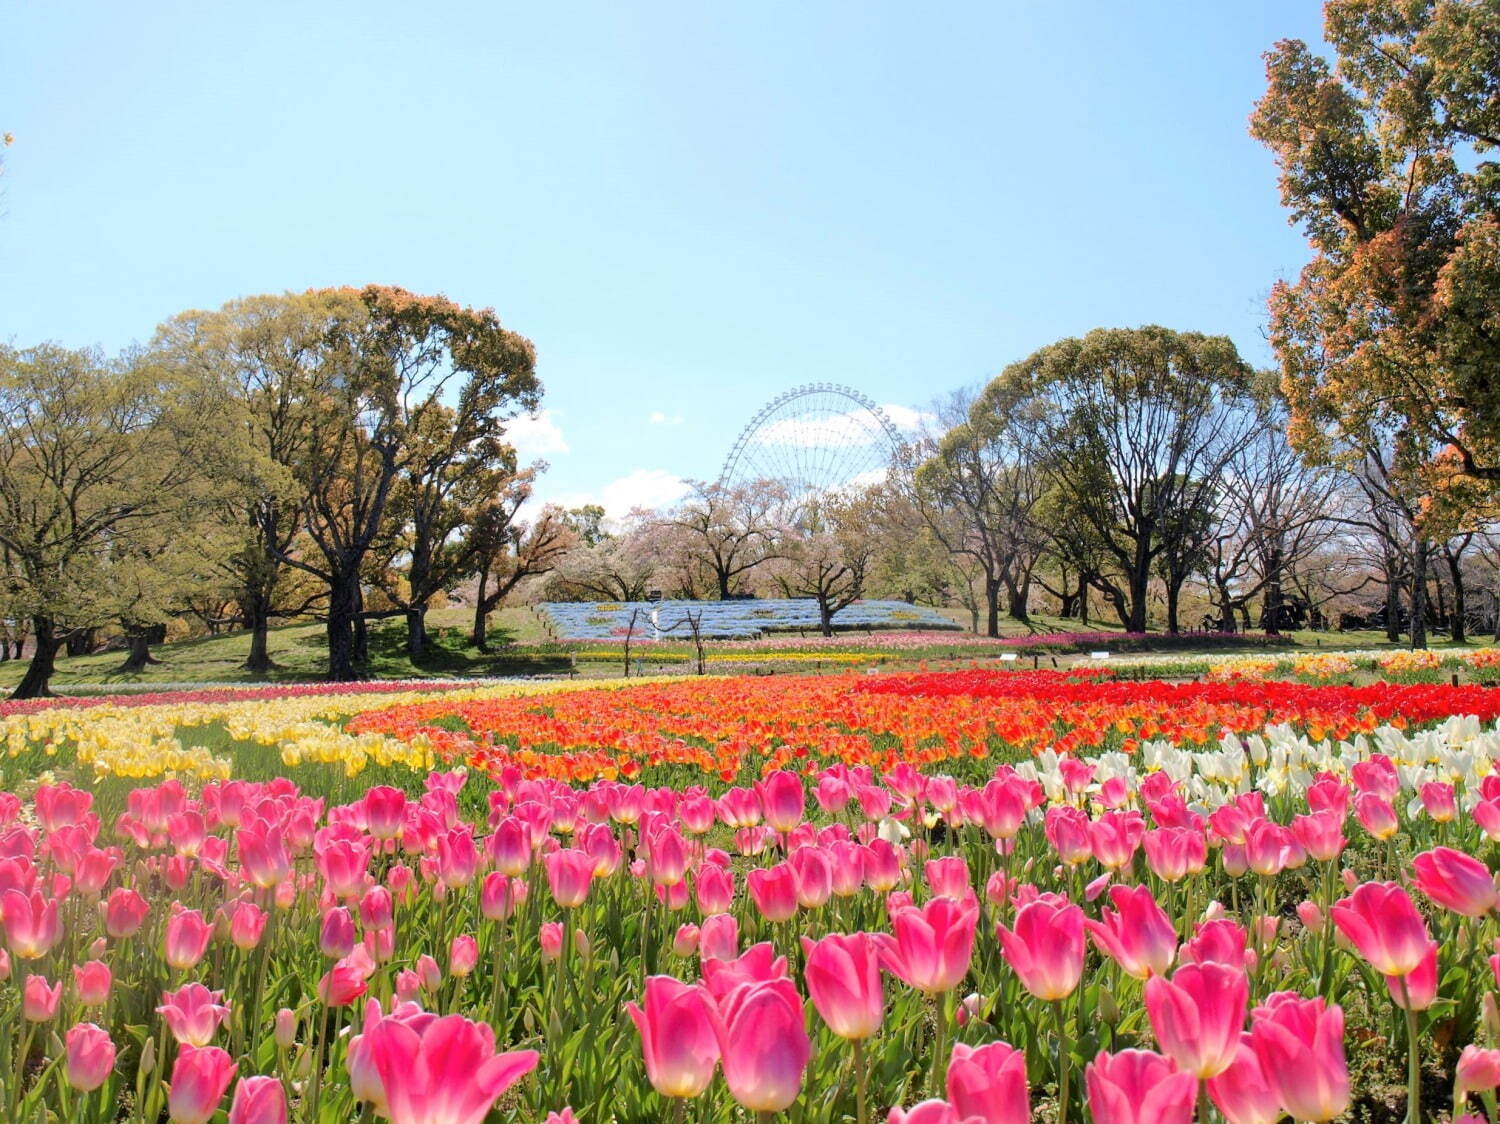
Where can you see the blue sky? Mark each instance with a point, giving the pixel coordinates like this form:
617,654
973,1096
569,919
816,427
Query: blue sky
687,207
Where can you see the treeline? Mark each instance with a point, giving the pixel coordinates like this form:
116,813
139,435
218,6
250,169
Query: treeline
282,456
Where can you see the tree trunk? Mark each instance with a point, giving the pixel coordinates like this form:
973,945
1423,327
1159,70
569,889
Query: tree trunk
1174,596
36,683
1015,602
825,616
361,635
991,607
138,656
258,621
1419,594
80,642
723,578
416,632
1140,583
343,606
1456,576
1393,606
1271,606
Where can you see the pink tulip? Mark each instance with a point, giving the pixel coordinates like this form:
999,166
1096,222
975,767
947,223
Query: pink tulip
949,878
1045,949
549,938
1380,920
32,927
667,857
774,891
448,1073
1321,834
92,981
1137,934
348,979
1300,1045
1114,838
988,1083
1438,801
463,955
1478,1070
931,946
569,875
199,1080
1242,1092
124,913
812,873
1067,829
714,890
764,1045
1173,853
1418,988
843,981
1455,881
499,896
258,1100
385,811
186,939
783,800
929,1112
1376,815
263,855
336,939
1198,1015
719,937
39,1000
247,924
678,1037
91,1057
193,1013
1139,1087
758,964
1220,940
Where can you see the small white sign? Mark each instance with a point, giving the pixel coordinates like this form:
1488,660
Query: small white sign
1098,655
1008,657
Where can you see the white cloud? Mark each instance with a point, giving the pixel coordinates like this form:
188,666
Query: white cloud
645,487
536,435
657,417
853,429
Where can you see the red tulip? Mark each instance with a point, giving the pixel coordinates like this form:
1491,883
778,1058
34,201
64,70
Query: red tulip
448,1073
764,1045
91,1057
843,981
1139,1087
1380,920
1455,881
988,1083
1300,1045
199,1081
1198,1015
678,1036
1046,947
931,946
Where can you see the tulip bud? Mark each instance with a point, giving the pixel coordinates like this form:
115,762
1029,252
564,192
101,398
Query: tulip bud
1215,911
147,1065
286,1028
1109,1010
969,1010
685,943
1311,916
1491,1016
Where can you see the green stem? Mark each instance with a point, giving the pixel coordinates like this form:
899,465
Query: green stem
939,1072
1413,1061
861,1083
1063,1049
1204,1108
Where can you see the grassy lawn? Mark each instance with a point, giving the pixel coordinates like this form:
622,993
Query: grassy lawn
520,647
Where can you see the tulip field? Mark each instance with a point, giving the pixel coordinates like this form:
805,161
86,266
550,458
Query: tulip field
961,897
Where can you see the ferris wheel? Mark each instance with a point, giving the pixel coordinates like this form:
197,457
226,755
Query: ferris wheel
814,439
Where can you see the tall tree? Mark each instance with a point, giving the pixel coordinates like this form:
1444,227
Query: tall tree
731,529
826,555
93,457
1393,328
1132,427
401,360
